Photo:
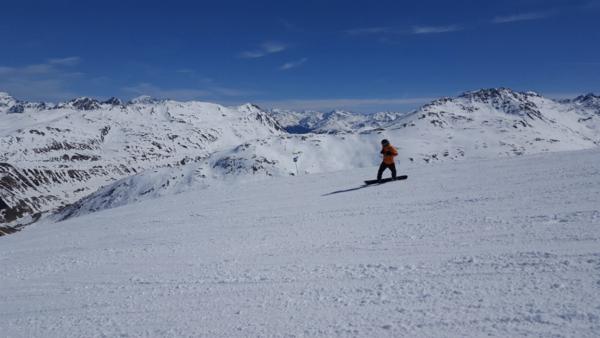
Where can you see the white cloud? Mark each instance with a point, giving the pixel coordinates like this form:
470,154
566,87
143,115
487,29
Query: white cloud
389,34
293,64
273,47
183,94
435,29
68,61
521,17
264,50
162,93
43,81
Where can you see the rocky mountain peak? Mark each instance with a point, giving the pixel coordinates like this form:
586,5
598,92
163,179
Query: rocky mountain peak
113,101
6,99
589,98
5,95
495,94
143,99
84,103
506,100
338,113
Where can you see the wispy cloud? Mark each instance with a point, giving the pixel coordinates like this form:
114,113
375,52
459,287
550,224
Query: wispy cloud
293,64
367,30
435,29
264,50
364,105
521,17
43,81
162,93
183,94
68,61
385,34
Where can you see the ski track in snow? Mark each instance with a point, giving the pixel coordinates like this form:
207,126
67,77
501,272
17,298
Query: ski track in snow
496,247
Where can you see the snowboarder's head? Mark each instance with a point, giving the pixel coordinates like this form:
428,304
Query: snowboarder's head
385,142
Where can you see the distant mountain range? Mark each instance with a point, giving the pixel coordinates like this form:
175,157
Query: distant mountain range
85,155
333,122
52,155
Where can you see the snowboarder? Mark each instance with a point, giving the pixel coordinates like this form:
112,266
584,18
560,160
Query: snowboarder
388,152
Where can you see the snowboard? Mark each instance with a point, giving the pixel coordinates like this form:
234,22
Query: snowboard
385,180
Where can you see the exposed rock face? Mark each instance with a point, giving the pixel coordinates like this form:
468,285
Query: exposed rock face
85,103
16,109
589,101
113,101
507,101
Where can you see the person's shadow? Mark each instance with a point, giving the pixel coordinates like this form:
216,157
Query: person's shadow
399,178
348,190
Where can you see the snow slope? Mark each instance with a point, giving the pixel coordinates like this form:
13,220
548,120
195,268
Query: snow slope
54,156
502,247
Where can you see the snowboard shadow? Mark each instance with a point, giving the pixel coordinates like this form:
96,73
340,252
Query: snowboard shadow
346,190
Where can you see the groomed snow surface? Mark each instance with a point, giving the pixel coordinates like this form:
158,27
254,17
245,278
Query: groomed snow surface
505,247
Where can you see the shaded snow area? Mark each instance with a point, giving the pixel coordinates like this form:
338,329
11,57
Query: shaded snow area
506,247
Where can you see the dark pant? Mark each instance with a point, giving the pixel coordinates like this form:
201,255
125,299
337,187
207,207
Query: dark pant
384,166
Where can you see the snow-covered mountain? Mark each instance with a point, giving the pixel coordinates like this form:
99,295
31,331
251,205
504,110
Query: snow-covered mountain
482,124
333,122
589,101
498,122
54,156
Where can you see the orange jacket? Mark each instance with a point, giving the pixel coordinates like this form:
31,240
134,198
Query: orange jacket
389,159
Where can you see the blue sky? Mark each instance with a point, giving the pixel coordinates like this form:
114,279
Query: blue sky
358,55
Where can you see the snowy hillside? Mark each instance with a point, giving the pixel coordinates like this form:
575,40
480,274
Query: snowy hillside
507,247
497,122
54,155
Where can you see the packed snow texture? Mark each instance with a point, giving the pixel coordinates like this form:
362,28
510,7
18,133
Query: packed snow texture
504,247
